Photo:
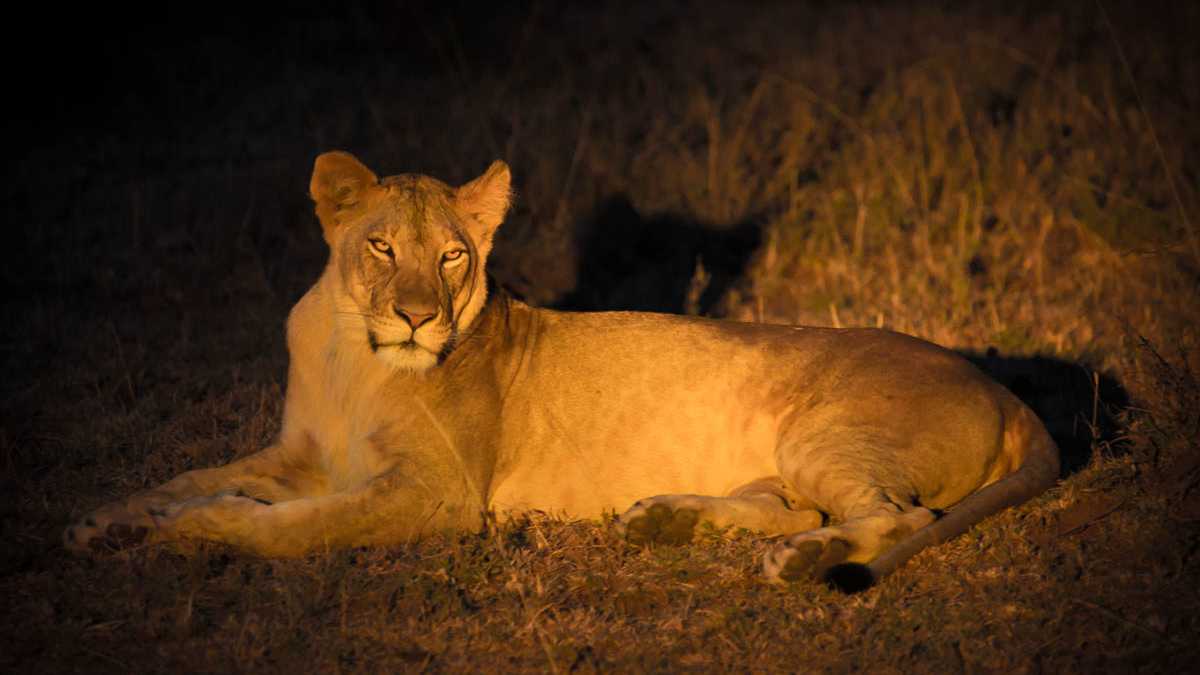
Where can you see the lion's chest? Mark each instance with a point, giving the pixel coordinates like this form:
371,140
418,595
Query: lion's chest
447,445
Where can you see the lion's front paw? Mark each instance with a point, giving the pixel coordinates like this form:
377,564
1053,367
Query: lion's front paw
661,520
805,556
111,528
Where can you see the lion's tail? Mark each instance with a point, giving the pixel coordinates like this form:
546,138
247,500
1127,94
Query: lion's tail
1039,471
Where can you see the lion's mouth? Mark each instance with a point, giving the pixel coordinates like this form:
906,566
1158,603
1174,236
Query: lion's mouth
411,354
376,343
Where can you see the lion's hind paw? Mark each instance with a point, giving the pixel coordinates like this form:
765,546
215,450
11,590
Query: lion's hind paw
804,558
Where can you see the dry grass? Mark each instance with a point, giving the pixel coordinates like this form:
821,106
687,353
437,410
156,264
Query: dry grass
1017,178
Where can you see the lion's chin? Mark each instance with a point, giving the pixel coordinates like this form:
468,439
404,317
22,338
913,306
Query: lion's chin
407,357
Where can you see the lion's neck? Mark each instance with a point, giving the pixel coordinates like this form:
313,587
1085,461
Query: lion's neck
496,333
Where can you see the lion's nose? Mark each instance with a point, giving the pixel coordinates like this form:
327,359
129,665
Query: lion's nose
415,316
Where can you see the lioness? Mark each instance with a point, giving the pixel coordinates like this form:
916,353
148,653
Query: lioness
417,403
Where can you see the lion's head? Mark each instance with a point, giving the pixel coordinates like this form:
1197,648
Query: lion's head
409,254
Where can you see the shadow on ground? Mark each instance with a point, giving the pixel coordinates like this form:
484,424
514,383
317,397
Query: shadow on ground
662,263
1078,405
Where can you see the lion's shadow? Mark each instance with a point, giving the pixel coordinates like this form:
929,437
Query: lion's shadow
635,263
1079,406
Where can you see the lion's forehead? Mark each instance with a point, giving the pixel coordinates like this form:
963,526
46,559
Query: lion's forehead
415,208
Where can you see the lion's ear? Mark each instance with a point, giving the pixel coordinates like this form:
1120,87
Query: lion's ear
485,200
338,186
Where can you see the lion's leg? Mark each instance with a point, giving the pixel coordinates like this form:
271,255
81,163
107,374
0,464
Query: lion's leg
850,474
275,474
762,506
867,529
393,508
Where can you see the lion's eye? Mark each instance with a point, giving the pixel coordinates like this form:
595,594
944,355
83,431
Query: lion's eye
380,245
451,258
